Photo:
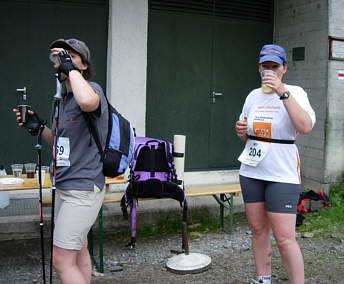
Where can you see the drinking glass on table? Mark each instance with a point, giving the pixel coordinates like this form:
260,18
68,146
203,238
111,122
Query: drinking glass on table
47,174
30,170
17,170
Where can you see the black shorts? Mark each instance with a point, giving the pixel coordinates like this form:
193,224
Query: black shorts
279,197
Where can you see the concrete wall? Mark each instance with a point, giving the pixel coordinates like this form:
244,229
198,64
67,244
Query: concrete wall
127,59
334,162
300,23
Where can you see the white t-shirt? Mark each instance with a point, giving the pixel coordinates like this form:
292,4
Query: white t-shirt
267,117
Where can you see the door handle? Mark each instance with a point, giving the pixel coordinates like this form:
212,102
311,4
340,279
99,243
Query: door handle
216,94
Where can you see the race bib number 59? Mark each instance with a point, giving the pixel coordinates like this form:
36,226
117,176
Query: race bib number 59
62,152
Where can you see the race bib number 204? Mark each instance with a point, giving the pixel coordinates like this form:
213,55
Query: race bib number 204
254,152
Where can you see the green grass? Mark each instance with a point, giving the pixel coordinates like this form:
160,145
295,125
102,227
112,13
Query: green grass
327,221
198,221
323,223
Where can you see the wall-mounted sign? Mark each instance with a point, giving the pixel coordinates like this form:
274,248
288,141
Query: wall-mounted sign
340,74
336,49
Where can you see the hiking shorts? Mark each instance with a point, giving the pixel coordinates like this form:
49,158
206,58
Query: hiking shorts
279,197
75,213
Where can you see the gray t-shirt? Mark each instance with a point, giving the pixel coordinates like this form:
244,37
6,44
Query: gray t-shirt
79,166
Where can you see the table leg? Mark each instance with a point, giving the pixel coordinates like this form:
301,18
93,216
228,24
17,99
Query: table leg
225,202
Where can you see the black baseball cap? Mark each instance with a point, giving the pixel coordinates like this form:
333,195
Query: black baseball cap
74,44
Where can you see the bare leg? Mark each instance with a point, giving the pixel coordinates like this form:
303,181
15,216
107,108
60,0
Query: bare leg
64,262
283,226
260,228
83,261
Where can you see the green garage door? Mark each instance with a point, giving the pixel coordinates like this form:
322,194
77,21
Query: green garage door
202,63
27,29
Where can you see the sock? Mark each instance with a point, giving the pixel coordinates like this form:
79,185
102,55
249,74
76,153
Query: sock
265,279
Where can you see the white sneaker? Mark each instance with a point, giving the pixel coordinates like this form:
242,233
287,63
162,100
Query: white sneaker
253,281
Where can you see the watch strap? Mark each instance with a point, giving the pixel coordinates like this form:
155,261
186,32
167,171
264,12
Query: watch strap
285,95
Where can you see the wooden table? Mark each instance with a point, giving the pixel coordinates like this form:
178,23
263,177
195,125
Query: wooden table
31,183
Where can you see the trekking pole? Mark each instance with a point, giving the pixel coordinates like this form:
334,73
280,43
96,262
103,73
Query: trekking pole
185,240
38,146
57,100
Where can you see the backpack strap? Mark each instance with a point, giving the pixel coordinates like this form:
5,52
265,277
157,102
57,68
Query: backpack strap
93,132
152,161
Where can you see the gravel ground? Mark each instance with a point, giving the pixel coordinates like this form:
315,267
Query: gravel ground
232,261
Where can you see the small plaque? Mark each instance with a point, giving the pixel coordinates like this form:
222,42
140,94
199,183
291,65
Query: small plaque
298,53
336,49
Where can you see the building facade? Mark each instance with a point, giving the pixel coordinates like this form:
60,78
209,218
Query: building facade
186,68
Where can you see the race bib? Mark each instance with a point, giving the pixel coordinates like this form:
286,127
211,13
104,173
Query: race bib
62,152
254,152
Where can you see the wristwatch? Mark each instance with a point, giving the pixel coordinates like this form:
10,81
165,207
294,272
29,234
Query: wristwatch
285,95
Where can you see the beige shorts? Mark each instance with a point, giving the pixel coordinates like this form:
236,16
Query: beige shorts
75,213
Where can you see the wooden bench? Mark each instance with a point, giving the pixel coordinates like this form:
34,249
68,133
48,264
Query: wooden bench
222,190
223,194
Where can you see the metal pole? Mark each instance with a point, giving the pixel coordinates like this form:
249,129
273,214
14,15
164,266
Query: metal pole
57,99
38,146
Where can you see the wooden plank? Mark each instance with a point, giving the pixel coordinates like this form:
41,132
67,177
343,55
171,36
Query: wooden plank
214,189
116,180
235,189
190,192
113,197
29,183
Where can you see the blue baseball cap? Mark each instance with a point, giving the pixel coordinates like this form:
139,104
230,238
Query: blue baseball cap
274,53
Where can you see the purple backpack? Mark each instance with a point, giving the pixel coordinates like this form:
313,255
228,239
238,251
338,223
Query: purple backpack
152,175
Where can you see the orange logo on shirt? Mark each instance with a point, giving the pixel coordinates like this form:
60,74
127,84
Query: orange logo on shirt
262,129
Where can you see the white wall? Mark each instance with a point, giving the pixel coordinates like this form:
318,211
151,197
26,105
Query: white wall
334,163
127,59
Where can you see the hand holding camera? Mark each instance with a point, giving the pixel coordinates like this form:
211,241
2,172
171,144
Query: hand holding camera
66,63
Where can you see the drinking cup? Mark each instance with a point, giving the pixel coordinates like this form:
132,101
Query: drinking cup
30,170
42,176
23,112
265,88
47,174
17,170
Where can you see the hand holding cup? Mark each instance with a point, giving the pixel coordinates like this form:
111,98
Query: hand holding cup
18,113
265,88
241,129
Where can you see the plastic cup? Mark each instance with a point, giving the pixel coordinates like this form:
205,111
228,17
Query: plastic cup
265,88
47,174
42,176
30,170
23,112
17,170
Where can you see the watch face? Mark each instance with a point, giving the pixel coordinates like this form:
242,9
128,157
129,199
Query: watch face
285,95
